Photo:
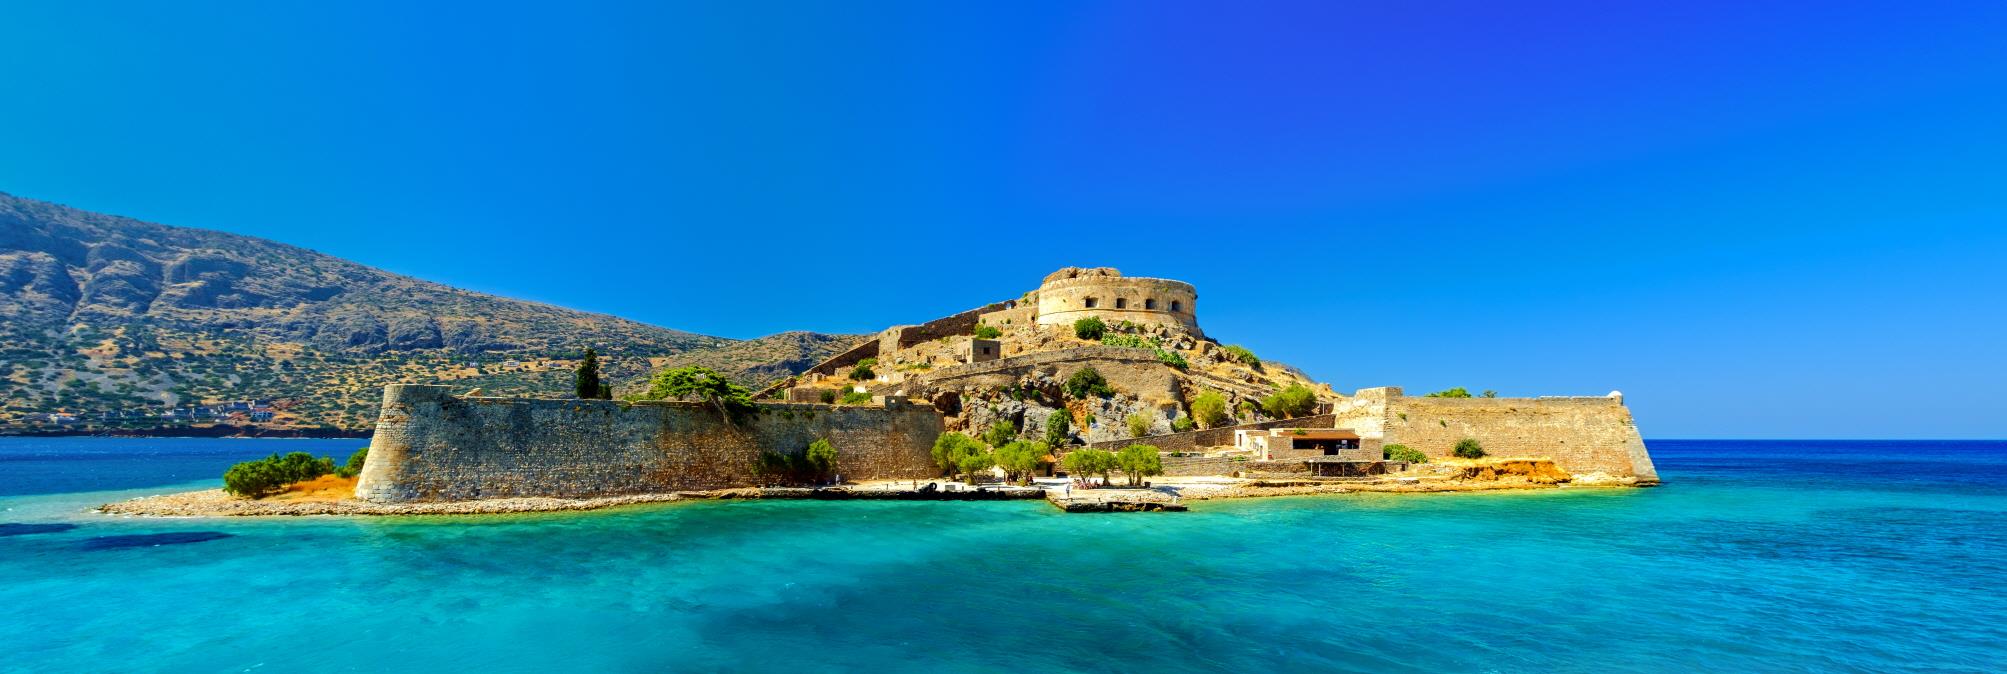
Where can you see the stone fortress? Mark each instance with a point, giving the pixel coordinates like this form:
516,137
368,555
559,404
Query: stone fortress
1004,362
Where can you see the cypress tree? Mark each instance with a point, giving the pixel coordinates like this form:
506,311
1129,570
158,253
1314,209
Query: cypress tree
586,383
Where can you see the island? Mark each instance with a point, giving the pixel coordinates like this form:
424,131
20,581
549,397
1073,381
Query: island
1054,394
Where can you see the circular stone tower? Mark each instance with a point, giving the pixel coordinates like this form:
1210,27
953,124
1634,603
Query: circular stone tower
1074,293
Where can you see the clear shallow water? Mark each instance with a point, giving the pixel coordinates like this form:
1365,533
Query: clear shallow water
1757,556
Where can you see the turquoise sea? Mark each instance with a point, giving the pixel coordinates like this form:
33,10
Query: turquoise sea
1794,556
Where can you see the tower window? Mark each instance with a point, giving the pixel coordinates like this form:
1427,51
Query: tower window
1090,302
1121,303
1175,306
1149,304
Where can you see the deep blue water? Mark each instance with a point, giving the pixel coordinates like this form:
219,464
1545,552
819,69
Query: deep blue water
1755,556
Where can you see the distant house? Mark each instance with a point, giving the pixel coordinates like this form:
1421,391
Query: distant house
261,415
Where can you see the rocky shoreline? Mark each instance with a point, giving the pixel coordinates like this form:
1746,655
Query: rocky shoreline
1164,497
216,503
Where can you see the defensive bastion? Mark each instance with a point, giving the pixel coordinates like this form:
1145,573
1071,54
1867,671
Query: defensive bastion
433,446
1073,293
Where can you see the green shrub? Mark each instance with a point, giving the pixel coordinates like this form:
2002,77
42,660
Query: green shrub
1139,425
354,465
863,370
1468,448
1090,328
1138,462
1241,354
821,458
856,398
1295,401
1183,424
1086,382
259,478
1457,392
827,396
1172,358
1210,409
1400,452
999,433
814,465
1488,393
1129,341
988,332
1059,428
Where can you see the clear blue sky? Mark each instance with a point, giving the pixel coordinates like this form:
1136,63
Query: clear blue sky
1757,220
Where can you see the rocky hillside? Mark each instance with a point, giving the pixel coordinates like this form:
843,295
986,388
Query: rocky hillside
106,314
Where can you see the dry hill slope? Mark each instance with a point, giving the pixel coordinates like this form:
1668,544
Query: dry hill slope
102,314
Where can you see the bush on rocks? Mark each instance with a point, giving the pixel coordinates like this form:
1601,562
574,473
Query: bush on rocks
1090,328
1468,448
1400,452
263,477
354,465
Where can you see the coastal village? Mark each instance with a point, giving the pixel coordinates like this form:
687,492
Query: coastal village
1096,391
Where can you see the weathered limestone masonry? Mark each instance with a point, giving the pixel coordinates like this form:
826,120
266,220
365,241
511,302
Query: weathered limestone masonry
433,446
1581,434
1133,370
1192,441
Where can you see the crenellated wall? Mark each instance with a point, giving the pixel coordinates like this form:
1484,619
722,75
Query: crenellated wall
433,446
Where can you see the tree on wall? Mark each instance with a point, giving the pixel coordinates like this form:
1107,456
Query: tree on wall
1457,392
1468,448
585,382
704,384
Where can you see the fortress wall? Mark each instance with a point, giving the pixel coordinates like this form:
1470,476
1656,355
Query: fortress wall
892,339
865,349
1582,435
432,446
1191,441
1018,314
1062,301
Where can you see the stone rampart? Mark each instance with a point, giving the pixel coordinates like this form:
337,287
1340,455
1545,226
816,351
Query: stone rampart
432,446
1191,441
892,339
1581,434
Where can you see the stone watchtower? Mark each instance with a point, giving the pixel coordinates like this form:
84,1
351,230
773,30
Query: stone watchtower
1074,293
